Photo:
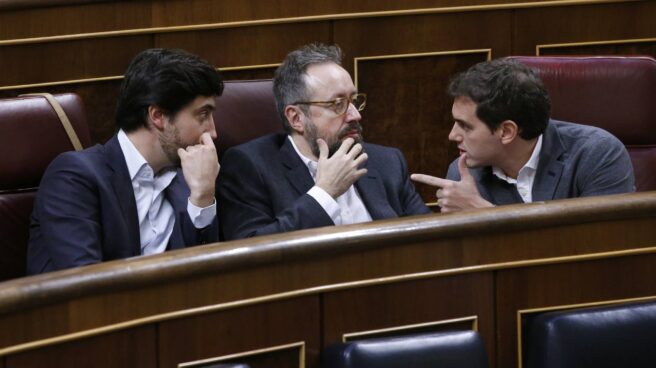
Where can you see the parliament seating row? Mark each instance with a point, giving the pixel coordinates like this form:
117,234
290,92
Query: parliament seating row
619,335
615,93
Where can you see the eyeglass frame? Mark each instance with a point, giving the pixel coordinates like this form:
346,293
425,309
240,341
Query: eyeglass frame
332,104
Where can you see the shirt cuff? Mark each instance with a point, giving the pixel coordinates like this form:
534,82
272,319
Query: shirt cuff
201,217
327,203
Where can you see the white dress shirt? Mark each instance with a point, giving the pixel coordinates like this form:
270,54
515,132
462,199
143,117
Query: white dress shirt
526,175
346,209
155,213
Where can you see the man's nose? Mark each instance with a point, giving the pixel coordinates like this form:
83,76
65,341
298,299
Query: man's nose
352,113
454,134
212,128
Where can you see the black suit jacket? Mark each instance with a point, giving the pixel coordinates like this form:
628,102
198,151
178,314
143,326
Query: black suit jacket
263,188
85,212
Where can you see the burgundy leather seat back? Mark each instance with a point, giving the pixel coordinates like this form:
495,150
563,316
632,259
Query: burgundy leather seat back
246,110
616,93
31,135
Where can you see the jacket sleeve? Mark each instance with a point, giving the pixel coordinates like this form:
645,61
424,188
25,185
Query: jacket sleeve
605,168
412,203
246,203
67,208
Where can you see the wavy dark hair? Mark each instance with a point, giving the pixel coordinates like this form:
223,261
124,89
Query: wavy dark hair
169,79
505,89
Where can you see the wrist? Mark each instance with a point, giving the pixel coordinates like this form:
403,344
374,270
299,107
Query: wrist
201,200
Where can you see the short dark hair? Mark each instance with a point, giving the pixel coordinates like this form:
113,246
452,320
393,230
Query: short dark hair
504,89
169,79
289,83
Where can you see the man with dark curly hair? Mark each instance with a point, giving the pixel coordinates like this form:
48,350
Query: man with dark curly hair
512,152
151,187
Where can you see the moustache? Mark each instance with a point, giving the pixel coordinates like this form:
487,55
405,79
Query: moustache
349,129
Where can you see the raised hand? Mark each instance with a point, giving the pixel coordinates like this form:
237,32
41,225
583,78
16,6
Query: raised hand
337,173
455,195
200,166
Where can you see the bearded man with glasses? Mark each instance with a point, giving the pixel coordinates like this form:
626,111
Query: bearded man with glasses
319,172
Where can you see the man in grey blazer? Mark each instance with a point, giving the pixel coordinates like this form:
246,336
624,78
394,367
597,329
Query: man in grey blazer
512,152
319,172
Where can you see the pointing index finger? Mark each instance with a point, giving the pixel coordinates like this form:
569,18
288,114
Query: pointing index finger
430,180
462,166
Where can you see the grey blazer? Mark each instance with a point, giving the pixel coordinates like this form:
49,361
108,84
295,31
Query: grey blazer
575,161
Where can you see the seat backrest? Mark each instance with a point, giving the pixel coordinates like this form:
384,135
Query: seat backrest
436,350
246,110
31,136
616,93
616,336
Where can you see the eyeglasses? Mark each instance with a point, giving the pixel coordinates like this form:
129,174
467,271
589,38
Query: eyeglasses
340,105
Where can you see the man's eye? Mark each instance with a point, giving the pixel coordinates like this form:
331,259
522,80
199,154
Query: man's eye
339,104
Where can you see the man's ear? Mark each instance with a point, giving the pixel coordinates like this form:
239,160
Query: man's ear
294,117
508,131
156,117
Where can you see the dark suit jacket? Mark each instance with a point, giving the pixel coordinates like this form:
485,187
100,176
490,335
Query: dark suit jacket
263,188
575,161
85,212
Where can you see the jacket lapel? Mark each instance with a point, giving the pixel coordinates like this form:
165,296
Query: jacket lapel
120,180
297,173
371,190
550,167
177,193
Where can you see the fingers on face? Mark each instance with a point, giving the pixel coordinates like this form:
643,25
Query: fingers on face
346,145
323,148
355,150
206,139
462,166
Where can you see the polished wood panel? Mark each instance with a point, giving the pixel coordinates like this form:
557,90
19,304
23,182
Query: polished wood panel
424,33
540,26
287,358
73,19
563,284
249,74
240,47
206,11
51,18
415,114
69,60
408,303
386,264
610,48
131,348
249,328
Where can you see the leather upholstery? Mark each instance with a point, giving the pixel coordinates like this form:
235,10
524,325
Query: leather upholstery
246,110
616,93
617,336
435,350
31,135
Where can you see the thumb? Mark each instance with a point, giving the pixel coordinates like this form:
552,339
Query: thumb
206,139
323,148
182,153
462,167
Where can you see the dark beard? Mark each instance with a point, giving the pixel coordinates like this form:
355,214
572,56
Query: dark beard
332,148
170,142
